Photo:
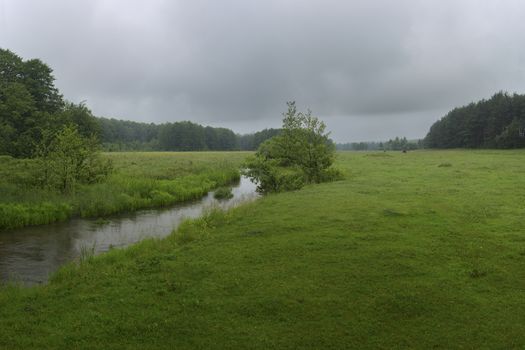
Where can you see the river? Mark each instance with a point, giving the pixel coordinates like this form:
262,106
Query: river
30,254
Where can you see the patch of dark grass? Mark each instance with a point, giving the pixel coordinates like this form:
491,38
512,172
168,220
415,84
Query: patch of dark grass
223,193
101,221
476,273
392,213
444,165
254,232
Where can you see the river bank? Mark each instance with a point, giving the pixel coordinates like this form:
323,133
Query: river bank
29,255
140,180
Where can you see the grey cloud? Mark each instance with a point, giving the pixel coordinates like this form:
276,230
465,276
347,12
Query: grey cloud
371,69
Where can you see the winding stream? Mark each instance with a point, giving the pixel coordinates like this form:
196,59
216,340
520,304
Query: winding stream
30,254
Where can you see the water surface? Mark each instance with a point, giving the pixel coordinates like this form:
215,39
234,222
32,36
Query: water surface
30,254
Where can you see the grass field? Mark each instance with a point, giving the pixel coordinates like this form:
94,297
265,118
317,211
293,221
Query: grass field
418,250
140,180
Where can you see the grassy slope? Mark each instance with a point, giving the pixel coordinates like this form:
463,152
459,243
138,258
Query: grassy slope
402,254
140,180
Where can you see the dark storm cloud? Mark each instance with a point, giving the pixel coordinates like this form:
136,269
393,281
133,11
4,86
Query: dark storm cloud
371,69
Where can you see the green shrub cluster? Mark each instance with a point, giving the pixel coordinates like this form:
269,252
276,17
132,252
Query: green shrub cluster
302,153
67,159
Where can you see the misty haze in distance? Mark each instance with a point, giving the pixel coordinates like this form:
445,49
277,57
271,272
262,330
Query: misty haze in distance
371,69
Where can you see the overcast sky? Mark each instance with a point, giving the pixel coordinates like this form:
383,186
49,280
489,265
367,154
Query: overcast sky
370,69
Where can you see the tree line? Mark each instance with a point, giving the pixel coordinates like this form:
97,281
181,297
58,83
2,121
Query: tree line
395,144
123,135
32,111
498,122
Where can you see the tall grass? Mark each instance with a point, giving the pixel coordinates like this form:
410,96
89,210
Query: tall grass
18,215
140,180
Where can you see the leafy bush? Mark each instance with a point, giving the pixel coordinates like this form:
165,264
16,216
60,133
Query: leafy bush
67,158
301,154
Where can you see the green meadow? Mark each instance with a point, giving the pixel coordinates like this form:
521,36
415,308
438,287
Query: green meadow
418,250
139,180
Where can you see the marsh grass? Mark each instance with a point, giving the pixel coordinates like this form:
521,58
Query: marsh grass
140,180
86,253
14,215
223,193
101,222
195,229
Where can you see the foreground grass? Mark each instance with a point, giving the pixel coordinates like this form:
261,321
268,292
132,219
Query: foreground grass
417,250
140,180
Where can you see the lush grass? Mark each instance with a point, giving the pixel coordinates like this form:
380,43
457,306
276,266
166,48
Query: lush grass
140,180
404,253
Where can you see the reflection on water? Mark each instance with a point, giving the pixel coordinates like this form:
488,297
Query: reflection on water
30,254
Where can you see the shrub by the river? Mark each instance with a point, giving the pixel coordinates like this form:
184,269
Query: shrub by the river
223,193
302,153
68,159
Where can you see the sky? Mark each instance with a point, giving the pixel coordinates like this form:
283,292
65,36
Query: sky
371,69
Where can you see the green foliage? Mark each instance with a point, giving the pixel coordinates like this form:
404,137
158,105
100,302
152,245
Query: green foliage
31,106
87,253
182,136
69,159
18,118
270,176
123,135
223,193
13,215
495,123
38,78
300,154
81,117
251,142
199,228
401,144
395,144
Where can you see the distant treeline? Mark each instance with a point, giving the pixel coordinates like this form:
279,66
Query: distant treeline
123,135
396,144
498,122
32,110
